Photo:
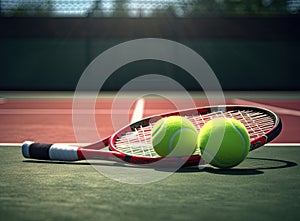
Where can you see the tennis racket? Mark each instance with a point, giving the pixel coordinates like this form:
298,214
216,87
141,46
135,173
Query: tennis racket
132,143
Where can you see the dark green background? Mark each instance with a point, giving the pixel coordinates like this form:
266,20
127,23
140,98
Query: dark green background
245,53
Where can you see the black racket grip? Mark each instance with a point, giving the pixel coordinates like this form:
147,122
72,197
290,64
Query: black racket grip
43,151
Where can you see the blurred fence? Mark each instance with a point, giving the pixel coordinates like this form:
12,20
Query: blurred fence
148,8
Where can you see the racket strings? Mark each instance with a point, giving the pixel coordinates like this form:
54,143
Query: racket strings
138,141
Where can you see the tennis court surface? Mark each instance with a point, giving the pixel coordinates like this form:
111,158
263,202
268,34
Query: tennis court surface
264,187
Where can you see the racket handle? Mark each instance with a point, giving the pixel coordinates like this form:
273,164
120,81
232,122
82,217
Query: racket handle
43,151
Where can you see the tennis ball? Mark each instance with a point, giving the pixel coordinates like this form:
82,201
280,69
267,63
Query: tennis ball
224,142
174,136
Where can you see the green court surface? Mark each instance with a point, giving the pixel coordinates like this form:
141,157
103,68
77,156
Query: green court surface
264,187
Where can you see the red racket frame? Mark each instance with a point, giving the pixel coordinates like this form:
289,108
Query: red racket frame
92,151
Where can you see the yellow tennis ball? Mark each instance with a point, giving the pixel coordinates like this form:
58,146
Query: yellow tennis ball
224,142
174,136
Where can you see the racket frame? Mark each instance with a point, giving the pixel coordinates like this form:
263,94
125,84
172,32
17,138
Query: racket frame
194,159
95,150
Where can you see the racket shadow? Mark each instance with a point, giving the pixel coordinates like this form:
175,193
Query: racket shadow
256,167
97,163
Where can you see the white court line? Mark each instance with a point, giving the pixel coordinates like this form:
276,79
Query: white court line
278,110
2,100
20,144
55,111
282,144
138,111
76,144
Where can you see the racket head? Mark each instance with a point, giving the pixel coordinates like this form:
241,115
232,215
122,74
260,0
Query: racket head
133,142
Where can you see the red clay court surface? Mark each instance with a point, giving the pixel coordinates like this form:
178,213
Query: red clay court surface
50,119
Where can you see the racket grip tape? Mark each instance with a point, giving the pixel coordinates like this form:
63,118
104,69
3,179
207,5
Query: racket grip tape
43,151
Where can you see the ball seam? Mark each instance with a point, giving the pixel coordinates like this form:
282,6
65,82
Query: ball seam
244,149
159,128
175,134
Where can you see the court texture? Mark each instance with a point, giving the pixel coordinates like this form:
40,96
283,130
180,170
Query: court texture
264,187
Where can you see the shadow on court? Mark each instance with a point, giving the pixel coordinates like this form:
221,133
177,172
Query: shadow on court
253,166
256,167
